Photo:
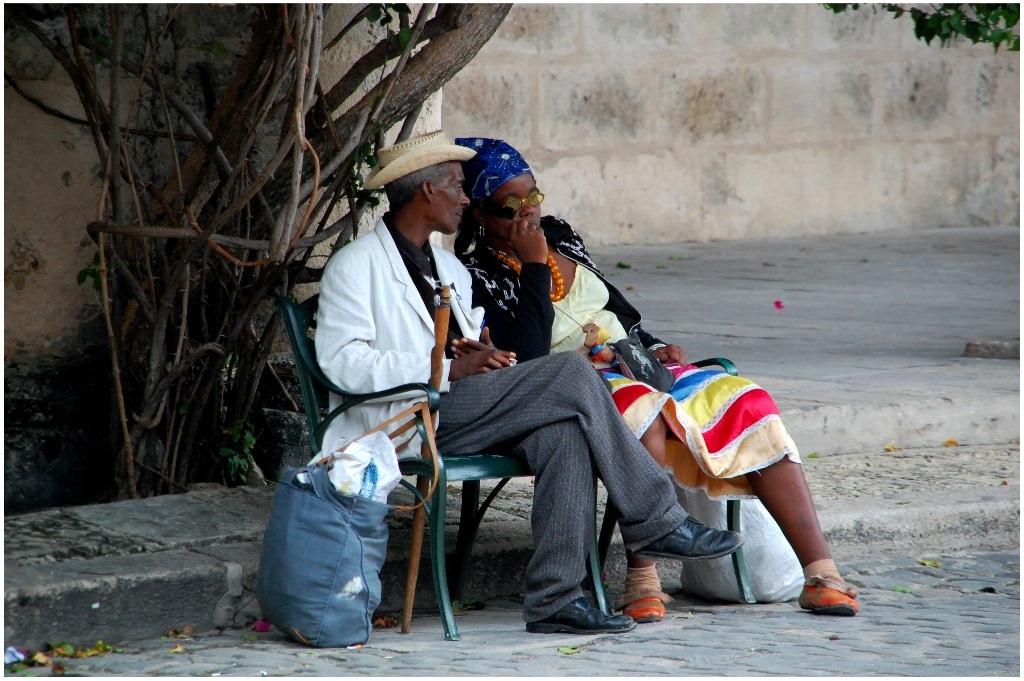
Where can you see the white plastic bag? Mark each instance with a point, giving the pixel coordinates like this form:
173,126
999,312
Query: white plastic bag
775,572
367,467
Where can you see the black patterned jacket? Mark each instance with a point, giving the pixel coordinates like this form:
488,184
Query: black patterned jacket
519,312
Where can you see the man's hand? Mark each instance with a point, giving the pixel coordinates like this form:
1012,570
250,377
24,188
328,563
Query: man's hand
478,357
528,242
461,346
670,353
478,361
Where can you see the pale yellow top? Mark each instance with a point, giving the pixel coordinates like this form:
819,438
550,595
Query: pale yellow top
584,303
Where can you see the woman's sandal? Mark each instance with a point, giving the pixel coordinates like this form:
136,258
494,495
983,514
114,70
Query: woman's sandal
825,595
645,610
643,599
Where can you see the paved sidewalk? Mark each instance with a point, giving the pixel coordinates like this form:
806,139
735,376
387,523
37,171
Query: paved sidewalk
867,347
864,358
961,618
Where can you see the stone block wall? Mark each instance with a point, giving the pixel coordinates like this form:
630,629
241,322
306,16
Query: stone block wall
655,123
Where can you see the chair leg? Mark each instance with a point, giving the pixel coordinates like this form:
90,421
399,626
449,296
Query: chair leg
611,517
469,522
595,561
473,511
437,560
739,566
415,550
594,568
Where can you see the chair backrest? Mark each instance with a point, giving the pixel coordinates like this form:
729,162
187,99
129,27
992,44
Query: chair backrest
299,320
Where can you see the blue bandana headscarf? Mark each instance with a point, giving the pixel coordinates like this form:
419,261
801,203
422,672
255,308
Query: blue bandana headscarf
495,164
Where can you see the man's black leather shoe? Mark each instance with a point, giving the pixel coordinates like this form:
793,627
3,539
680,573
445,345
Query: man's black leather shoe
580,617
694,541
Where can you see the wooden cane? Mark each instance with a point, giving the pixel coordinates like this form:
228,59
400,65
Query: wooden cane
419,517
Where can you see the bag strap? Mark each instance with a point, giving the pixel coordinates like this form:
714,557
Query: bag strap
429,447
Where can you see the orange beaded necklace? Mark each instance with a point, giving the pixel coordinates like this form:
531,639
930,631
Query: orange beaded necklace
557,281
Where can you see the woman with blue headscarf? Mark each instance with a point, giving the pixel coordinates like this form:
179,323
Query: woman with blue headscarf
715,432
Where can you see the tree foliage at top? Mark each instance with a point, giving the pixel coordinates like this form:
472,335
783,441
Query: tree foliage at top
226,157
992,23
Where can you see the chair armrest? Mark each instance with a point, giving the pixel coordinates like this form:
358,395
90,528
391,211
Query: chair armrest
726,364
298,319
352,399
433,398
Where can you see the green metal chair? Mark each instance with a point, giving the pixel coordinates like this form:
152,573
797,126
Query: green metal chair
299,319
732,513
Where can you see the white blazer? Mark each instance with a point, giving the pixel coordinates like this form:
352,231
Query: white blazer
374,332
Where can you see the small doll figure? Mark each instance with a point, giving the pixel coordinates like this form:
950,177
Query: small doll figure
597,340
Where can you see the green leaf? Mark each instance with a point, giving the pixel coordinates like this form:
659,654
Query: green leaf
660,267
812,455
61,649
622,266
458,607
216,48
928,563
403,37
251,637
570,650
902,590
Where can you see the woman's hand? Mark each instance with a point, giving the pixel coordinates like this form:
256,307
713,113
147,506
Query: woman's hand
528,242
670,353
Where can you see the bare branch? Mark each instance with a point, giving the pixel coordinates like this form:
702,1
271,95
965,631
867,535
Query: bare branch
144,231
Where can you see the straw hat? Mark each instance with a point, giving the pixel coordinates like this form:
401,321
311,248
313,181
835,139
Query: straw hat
414,154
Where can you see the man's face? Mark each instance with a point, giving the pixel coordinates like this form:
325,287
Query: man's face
451,200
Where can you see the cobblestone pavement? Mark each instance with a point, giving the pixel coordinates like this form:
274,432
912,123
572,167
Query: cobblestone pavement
961,618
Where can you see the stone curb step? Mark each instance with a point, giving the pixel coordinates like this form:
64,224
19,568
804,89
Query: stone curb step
124,597
131,569
847,428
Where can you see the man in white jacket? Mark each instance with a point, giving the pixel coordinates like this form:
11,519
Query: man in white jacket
375,330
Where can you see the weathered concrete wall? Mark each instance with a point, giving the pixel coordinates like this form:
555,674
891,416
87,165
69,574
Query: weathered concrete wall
50,193
56,376
657,123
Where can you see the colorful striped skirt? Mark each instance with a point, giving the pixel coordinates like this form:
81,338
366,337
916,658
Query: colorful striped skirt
720,427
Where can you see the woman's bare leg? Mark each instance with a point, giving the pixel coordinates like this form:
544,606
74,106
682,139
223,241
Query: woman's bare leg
782,488
642,588
653,440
